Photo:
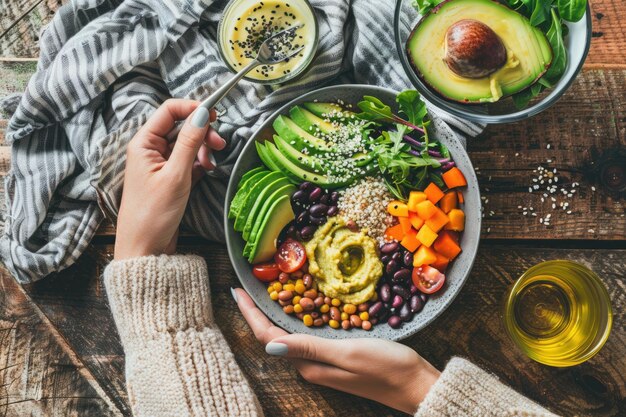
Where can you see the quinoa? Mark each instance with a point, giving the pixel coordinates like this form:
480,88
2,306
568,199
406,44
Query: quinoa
366,202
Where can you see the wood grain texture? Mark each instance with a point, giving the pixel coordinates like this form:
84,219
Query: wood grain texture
471,327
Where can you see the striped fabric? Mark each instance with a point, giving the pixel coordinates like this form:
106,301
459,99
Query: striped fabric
105,65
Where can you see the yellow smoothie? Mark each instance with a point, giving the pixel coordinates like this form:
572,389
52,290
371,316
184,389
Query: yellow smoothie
250,22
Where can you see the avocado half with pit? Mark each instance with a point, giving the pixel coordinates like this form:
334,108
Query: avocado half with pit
477,51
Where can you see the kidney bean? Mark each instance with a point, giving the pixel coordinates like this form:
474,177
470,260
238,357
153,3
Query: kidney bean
401,275
397,301
351,224
305,186
376,309
424,297
397,257
296,274
345,324
332,211
401,291
299,196
307,232
385,292
363,307
315,194
312,294
284,303
328,300
307,280
385,258
408,259
389,248
355,320
303,219
416,304
285,295
318,220
334,196
405,313
315,314
288,309
318,322
318,301
413,289
373,320
335,314
391,267
283,278
318,210
307,304
326,317
366,325
394,321
300,315
325,199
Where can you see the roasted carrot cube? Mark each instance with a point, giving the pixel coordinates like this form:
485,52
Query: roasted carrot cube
416,221
410,241
448,201
437,220
426,209
457,220
415,197
424,256
446,245
433,192
398,209
454,178
405,222
395,232
426,236
441,263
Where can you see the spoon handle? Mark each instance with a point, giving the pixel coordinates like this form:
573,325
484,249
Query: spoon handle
218,94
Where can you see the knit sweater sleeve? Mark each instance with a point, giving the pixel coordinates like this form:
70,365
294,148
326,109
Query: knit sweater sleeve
177,360
463,389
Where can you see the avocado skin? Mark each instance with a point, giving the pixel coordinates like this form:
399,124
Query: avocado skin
443,81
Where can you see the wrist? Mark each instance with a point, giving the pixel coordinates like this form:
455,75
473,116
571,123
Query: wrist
424,378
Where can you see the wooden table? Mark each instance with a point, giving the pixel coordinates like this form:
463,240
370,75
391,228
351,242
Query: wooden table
60,353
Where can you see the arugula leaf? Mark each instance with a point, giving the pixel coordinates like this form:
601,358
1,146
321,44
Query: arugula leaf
559,58
572,10
374,109
425,6
412,106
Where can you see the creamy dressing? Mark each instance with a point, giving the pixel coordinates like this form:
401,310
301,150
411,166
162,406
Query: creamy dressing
250,22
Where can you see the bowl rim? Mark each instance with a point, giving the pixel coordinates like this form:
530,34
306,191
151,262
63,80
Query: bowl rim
438,101
232,184
288,77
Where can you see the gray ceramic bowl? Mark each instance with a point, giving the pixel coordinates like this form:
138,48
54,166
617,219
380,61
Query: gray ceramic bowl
456,274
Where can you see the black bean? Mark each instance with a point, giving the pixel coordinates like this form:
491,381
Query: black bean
416,304
318,210
300,196
303,219
413,289
375,309
408,259
405,313
389,248
397,301
397,257
318,220
315,195
325,199
306,233
332,211
424,297
385,292
305,186
401,291
385,258
334,197
394,321
391,267
401,275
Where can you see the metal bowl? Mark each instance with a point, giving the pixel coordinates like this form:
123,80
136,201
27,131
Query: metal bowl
456,275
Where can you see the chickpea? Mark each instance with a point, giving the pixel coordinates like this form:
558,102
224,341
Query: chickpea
289,287
277,286
334,324
299,287
364,316
307,320
345,316
295,300
298,308
349,308
274,295
270,289
336,302
324,308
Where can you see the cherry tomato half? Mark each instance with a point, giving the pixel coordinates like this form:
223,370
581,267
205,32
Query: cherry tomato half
290,256
428,279
266,272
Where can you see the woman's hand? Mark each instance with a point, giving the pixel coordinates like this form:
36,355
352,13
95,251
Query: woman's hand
159,175
380,370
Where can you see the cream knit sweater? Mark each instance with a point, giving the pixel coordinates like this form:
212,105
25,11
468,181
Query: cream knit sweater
179,364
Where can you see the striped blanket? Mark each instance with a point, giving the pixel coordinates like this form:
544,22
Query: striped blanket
105,65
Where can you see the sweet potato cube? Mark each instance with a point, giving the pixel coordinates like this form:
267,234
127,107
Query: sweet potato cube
416,221
405,222
454,178
446,245
457,220
437,220
424,256
415,197
410,241
426,209
441,263
426,236
448,201
395,232
461,199
433,192
398,209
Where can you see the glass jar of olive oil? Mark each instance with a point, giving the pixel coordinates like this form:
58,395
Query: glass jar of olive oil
558,313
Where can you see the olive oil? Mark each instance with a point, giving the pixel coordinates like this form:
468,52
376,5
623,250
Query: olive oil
558,313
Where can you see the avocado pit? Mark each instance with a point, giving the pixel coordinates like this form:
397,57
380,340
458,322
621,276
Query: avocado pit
473,50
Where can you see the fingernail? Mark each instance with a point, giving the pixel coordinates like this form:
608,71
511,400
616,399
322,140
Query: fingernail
234,294
212,160
276,349
200,117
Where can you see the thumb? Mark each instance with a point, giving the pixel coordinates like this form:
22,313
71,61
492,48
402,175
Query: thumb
190,139
312,348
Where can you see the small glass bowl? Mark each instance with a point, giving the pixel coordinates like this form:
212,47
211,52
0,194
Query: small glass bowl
577,44
230,14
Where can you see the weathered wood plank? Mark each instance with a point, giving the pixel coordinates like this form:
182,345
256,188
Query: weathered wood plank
471,327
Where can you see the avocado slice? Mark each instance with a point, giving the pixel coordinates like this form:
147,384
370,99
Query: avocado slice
328,111
265,158
255,211
528,52
269,158
255,190
248,174
242,192
304,161
291,132
278,214
310,122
